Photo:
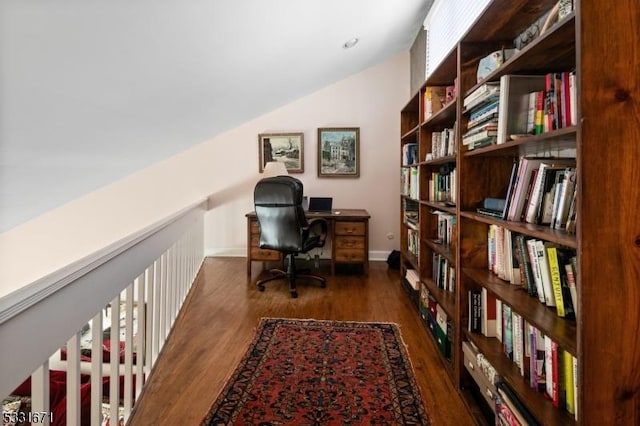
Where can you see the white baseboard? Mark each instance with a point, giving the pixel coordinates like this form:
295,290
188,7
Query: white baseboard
242,252
225,252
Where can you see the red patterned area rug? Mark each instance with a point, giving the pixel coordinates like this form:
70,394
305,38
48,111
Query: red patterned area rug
308,372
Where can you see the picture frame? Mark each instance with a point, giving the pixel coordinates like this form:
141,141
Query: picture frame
339,152
284,147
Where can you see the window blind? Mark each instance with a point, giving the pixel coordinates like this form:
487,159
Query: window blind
446,23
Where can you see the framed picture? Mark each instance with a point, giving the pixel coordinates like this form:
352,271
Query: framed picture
339,152
287,148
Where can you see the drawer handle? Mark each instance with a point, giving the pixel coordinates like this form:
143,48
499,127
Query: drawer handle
349,243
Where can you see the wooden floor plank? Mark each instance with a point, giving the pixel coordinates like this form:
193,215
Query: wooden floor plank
222,311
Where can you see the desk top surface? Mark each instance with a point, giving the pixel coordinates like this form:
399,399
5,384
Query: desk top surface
335,214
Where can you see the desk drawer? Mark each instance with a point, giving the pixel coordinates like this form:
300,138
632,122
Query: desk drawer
343,242
263,254
349,228
349,256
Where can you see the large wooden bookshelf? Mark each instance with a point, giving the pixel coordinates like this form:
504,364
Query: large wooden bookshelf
601,43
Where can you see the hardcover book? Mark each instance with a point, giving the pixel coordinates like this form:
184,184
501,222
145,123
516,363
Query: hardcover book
540,186
488,313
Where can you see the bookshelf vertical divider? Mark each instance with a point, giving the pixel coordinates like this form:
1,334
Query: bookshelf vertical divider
447,242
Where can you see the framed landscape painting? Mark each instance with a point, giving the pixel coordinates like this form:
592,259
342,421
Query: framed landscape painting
339,152
287,148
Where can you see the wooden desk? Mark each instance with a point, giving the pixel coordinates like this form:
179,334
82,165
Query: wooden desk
348,234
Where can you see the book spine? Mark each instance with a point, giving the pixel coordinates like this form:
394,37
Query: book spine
549,105
571,282
548,366
535,269
507,331
555,371
503,111
510,190
567,364
488,313
568,187
543,264
539,115
563,260
557,108
531,113
518,341
575,386
554,272
526,279
499,319
540,362
566,95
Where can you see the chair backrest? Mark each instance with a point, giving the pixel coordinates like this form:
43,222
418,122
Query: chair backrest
278,206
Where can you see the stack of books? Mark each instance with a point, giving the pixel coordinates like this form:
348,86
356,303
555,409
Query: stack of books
482,106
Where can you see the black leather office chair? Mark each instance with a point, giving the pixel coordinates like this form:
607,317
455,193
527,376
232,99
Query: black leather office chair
284,226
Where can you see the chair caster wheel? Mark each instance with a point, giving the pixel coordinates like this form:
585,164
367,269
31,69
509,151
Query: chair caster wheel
294,294
261,288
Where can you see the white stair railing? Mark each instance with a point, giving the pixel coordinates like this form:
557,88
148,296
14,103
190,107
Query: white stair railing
135,289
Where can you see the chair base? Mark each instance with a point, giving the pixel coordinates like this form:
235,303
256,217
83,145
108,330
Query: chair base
291,275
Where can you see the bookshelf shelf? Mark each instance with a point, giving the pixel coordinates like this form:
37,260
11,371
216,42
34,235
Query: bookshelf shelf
544,318
442,117
440,160
549,142
412,134
545,412
439,206
445,298
554,50
558,236
595,48
442,249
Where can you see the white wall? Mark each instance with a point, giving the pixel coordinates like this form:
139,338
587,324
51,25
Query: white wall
370,100
226,169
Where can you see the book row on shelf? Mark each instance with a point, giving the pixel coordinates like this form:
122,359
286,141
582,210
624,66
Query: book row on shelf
413,242
410,213
541,191
442,184
410,154
436,98
443,144
547,271
518,106
489,201
445,227
443,273
410,179
437,321
547,368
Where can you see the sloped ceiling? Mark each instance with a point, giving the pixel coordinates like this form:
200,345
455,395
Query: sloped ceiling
91,91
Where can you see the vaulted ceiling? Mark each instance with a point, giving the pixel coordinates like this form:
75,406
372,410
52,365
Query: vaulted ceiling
91,91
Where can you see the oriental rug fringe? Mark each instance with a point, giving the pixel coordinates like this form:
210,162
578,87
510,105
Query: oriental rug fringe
312,372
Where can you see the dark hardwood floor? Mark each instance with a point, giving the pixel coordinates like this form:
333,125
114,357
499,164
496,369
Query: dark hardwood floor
222,310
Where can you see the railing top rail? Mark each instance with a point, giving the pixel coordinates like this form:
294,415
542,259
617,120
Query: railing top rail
19,299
